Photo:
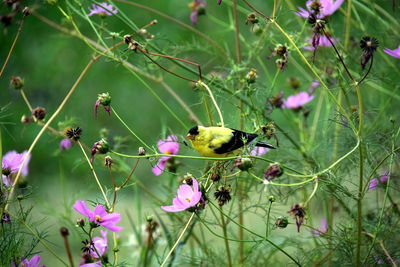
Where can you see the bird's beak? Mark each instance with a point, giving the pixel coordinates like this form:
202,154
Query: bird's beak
189,137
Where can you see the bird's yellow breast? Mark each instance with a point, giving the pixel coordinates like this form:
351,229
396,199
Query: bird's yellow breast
210,138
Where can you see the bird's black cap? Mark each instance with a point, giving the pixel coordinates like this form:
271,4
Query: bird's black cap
194,130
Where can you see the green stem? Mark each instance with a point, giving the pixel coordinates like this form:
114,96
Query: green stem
254,233
224,230
359,208
130,130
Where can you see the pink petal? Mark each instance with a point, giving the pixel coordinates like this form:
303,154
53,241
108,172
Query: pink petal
81,207
172,208
394,53
373,184
111,218
195,185
169,145
195,199
302,13
160,167
185,192
35,260
100,210
324,225
112,227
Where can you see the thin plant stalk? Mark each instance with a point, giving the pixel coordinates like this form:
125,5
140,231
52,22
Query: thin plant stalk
178,240
12,46
227,248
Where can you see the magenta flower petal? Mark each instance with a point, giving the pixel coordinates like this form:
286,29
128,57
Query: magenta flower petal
95,264
297,101
193,17
103,9
302,13
373,184
99,216
33,262
169,145
160,166
323,229
81,207
259,151
13,161
100,243
65,144
328,8
187,197
394,53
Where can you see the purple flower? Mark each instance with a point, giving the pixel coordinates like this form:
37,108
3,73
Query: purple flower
11,163
323,229
259,151
394,53
186,198
328,7
219,2
168,146
33,262
373,184
100,243
94,264
65,144
297,101
198,8
322,41
375,181
102,9
99,216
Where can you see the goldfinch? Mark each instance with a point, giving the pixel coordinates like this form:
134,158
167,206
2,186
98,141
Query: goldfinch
220,142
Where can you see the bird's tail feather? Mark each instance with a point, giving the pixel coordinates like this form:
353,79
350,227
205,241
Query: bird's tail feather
263,144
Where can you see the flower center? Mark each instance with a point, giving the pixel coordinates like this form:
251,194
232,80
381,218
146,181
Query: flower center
188,199
168,152
98,218
6,171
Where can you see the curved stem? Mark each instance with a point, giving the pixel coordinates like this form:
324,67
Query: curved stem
12,46
95,175
178,240
213,99
39,135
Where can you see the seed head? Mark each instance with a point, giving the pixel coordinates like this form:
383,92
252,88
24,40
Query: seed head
17,82
39,113
74,133
223,194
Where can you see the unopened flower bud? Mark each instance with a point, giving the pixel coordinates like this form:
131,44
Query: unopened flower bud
80,222
20,197
141,151
251,18
281,222
17,82
243,164
269,129
39,113
215,177
108,161
251,76
26,11
149,218
25,119
64,231
274,170
188,179
142,32
100,147
280,50
271,199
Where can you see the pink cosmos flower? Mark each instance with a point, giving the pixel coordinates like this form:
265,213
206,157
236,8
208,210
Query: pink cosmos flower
297,101
185,199
322,41
375,181
322,230
394,53
103,9
259,151
100,243
328,8
33,262
99,216
12,162
168,146
94,264
65,144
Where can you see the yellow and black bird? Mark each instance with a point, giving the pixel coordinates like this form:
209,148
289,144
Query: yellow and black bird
219,142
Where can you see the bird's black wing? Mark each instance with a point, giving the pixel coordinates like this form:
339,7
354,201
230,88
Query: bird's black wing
238,140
